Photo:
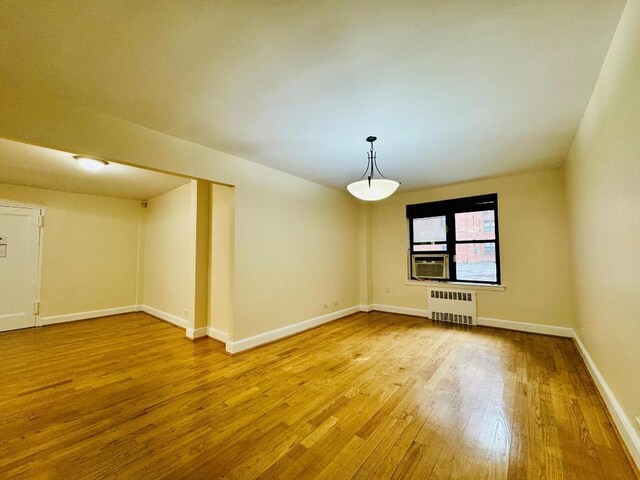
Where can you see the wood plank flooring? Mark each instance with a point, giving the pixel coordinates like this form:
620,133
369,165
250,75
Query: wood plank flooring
368,396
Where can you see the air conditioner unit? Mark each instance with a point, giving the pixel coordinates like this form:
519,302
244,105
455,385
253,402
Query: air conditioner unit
425,266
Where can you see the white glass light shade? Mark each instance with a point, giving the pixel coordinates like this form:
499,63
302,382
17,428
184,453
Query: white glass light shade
380,188
91,164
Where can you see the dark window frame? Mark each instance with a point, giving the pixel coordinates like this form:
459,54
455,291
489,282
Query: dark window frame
448,209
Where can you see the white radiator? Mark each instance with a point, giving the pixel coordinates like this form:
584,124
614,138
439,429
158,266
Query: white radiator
452,305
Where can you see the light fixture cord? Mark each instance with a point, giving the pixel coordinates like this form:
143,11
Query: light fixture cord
375,163
369,166
372,164
372,160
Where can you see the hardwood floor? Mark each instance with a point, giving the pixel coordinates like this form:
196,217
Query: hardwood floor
369,396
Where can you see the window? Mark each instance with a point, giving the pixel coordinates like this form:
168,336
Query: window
461,232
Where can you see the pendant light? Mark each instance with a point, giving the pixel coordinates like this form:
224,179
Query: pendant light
372,189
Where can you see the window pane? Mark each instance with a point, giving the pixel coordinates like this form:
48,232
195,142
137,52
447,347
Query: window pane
476,225
476,262
430,229
430,248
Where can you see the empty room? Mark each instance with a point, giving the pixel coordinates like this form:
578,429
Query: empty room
332,240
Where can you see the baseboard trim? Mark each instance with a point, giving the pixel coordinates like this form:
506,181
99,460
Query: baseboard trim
73,317
629,435
414,312
526,327
168,317
482,321
218,334
268,337
194,333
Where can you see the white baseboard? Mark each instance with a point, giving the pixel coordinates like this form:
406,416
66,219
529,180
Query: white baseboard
482,321
628,433
218,334
526,327
177,321
267,337
415,312
72,317
191,333
194,333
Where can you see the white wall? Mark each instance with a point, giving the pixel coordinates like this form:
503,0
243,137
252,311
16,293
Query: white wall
603,185
296,250
201,252
90,249
296,242
103,253
221,262
534,249
167,253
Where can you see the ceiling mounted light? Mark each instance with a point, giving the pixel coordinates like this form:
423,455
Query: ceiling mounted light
90,164
372,189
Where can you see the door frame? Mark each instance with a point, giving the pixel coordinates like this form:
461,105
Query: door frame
40,209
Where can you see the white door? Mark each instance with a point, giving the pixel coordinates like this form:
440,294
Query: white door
19,266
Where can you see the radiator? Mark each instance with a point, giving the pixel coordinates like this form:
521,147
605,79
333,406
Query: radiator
452,305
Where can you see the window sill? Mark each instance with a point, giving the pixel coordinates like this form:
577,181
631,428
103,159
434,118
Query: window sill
462,286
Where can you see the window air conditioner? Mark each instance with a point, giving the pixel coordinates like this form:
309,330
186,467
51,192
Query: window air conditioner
435,266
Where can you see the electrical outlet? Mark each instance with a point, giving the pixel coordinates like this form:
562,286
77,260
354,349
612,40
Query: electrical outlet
324,305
